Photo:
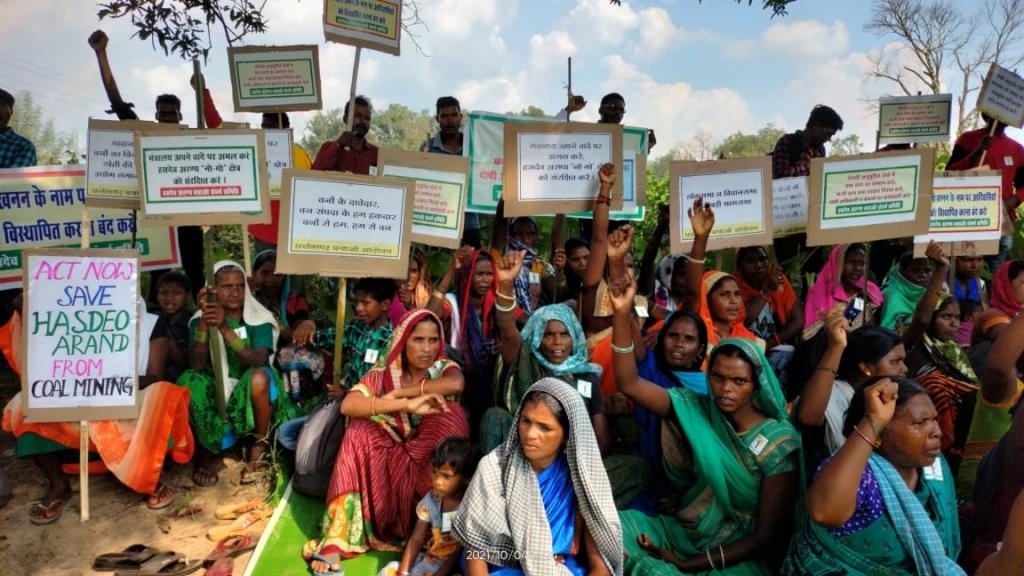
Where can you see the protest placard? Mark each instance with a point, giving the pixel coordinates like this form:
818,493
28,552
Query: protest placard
740,192
485,147
81,334
911,119
789,206
279,157
440,194
342,224
275,78
966,213
373,24
552,167
203,177
869,196
1002,96
41,207
111,179
634,177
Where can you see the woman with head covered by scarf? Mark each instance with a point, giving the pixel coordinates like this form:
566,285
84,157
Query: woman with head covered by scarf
839,282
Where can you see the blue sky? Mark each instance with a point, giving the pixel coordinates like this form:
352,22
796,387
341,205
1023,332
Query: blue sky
683,66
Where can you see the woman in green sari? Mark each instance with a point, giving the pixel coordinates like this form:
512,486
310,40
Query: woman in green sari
885,503
252,394
732,456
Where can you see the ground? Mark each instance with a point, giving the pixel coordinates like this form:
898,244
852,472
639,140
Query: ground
118,516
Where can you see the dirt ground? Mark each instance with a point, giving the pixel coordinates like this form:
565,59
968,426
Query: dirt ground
118,516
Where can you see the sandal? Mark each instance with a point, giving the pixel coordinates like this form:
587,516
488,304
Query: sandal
162,498
239,526
204,478
163,564
232,511
253,472
127,559
42,514
231,547
331,556
222,567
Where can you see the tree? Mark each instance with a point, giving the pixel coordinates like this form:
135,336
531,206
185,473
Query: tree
395,127
846,146
935,32
778,7
740,145
52,147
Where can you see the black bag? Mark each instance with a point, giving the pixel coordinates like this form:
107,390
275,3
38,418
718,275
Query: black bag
317,449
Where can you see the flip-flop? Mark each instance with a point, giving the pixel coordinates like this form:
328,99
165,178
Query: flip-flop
222,567
231,547
42,514
331,559
232,511
163,564
131,557
253,472
204,478
161,504
239,526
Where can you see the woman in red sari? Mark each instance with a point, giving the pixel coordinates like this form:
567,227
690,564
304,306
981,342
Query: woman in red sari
397,414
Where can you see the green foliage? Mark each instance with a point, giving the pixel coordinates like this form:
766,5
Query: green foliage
52,147
396,127
846,146
184,27
740,145
777,7
531,111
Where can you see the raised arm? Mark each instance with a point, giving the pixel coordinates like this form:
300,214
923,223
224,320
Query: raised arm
594,273
832,497
619,244
926,305
644,393
702,220
646,283
810,408
98,41
999,379
507,270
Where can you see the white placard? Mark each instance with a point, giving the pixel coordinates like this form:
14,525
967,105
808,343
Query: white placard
789,205
279,157
561,166
1002,96
965,209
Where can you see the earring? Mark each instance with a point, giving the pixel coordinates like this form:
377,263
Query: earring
868,373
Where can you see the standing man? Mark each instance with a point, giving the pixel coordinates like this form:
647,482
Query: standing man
1001,153
351,152
448,140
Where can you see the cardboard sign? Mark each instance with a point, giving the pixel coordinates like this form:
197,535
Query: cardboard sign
966,213
870,196
41,207
910,119
439,200
485,147
634,177
789,206
740,192
552,167
1002,96
81,335
203,177
279,157
111,179
342,224
373,24
275,78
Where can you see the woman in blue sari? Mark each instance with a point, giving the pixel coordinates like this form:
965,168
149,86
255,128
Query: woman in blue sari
538,505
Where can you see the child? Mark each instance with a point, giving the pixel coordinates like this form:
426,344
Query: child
172,298
431,550
966,283
969,312
366,336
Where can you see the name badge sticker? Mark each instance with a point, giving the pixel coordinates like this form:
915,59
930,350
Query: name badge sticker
758,445
934,472
585,388
446,521
371,356
241,333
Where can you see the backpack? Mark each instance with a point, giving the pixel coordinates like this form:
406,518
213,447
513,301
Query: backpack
317,449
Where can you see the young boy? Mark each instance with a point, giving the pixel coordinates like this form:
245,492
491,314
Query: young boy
366,336
172,298
431,550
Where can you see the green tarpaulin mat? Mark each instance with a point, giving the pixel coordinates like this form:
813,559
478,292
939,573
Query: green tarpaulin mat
295,521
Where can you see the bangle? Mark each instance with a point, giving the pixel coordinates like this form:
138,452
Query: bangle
602,199
707,552
501,294
874,427
875,445
237,345
423,383
510,308
627,350
373,406
722,552
436,294
202,337
831,371
696,261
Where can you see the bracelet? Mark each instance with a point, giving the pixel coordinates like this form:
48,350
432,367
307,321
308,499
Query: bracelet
722,552
875,445
501,294
831,371
510,308
707,552
874,427
696,261
627,350
602,199
237,345
373,406
202,337
423,383
436,294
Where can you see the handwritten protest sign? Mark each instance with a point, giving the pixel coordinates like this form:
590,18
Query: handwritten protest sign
552,167
111,179
440,193
789,206
870,196
485,147
910,119
80,335
1002,96
966,213
279,157
275,78
739,190
41,207
203,177
373,24
342,224
634,177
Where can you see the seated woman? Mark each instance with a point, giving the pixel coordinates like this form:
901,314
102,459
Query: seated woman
733,456
133,450
885,502
252,396
719,302
397,415
840,281
903,288
537,504
773,311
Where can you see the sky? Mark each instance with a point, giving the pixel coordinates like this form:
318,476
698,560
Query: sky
683,66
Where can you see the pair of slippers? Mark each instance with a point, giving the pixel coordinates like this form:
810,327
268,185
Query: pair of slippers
240,525
221,561
142,560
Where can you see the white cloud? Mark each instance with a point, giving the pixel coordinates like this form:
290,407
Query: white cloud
497,94
550,49
799,39
657,33
600,19
457,19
